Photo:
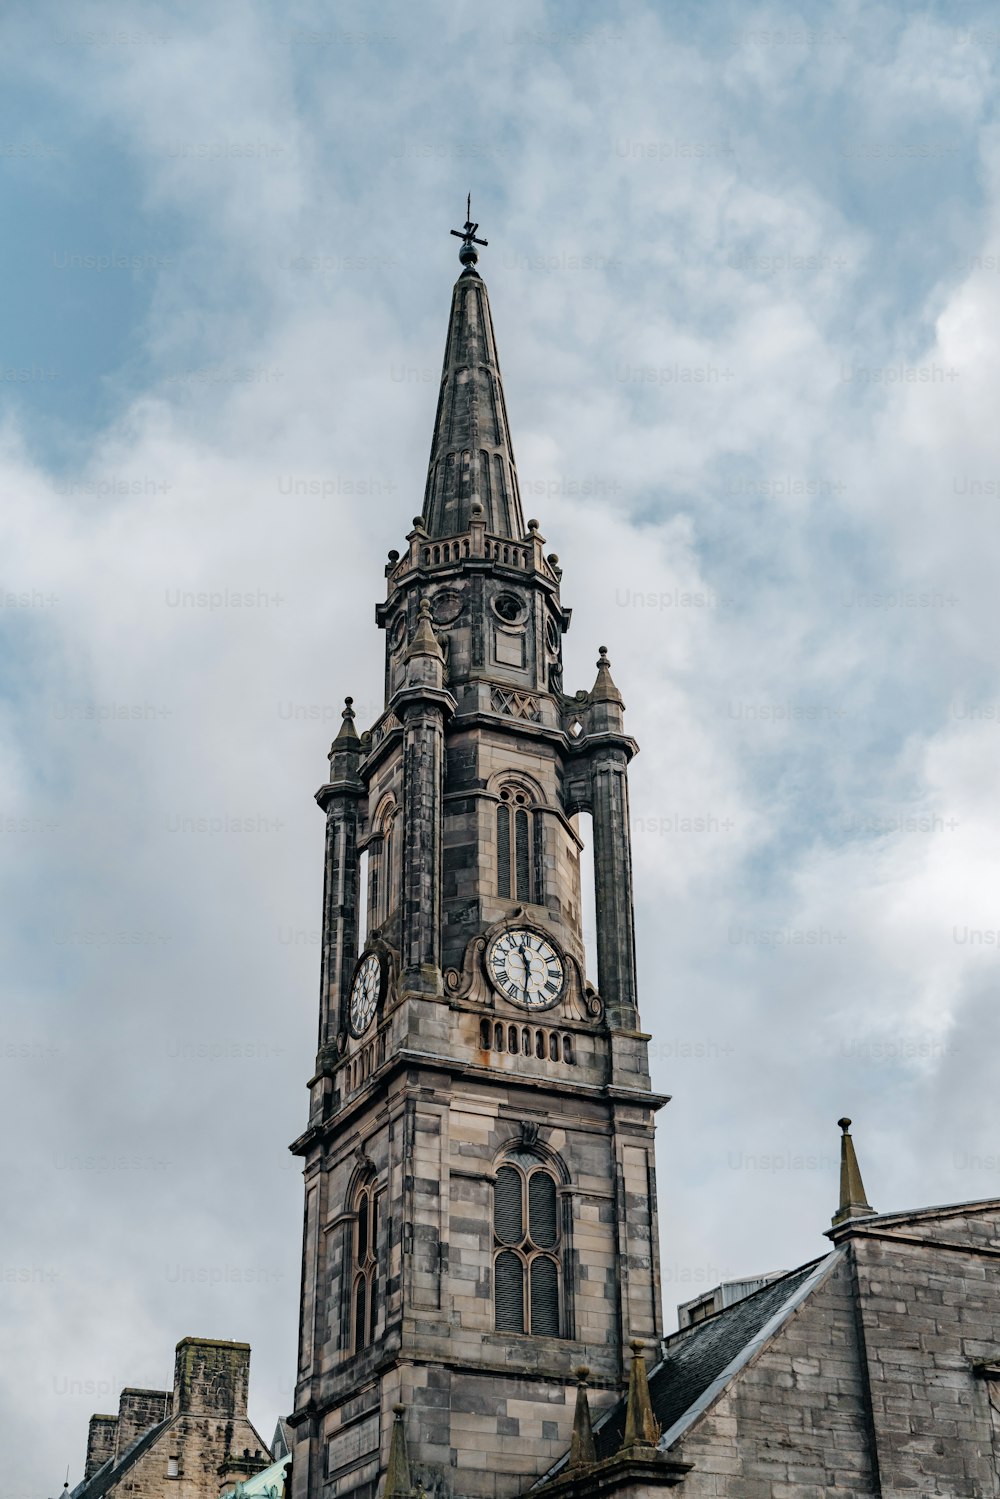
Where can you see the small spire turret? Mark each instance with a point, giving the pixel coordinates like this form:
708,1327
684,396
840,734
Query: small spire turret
641,1428
344,756
853,1202
424,642
397,1473
347,730
582,1451
604,689
606,711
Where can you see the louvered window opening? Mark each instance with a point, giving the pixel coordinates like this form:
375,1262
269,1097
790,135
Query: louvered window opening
526,1264
518,853
364,1277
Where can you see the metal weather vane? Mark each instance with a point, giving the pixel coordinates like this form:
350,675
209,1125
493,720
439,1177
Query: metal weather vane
467,255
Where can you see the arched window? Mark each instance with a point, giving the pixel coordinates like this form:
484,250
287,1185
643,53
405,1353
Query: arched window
383,893
518,850
527,1247
364,1278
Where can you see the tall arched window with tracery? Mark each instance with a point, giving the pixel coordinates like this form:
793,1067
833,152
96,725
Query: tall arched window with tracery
527,1248
364,1267
518,846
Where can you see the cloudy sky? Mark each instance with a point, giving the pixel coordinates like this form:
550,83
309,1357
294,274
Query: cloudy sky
745,272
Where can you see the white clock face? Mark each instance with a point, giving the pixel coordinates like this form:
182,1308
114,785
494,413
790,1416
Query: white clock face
365,993
526,969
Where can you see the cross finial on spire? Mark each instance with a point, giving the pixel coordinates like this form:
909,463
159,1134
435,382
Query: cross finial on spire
468,254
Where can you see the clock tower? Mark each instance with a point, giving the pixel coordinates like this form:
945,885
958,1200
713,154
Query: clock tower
480,1202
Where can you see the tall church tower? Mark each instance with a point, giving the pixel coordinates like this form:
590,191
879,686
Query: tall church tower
480,1202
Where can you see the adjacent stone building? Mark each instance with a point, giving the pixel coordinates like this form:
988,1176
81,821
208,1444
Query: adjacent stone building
871,1371
191,1442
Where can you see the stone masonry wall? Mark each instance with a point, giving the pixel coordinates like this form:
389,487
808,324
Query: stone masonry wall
100,1442
200,1444
486,1410
930,1312
138,1410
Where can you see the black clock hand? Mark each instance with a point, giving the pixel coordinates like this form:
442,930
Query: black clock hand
527,965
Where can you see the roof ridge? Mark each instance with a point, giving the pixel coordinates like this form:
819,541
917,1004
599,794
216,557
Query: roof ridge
940,1210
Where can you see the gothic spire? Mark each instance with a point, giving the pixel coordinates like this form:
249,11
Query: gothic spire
853,1202
471,454
348,734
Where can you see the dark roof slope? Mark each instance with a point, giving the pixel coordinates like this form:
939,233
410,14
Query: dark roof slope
699,1356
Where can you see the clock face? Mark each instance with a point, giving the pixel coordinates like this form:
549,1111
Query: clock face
366,991
526,969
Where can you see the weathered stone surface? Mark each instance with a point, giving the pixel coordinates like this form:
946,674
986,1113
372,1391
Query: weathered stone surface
195,1440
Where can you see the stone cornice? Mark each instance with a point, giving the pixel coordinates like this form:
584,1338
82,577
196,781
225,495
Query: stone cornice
409,697
861,1228
634,1468
406,1058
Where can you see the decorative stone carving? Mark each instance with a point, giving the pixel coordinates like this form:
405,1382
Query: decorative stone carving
514,704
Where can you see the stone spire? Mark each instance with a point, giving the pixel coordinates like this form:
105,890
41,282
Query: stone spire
471,453
582,1452
347,736
345,752
605,712
641,1429
424,642
397,1473
604,689
853,1202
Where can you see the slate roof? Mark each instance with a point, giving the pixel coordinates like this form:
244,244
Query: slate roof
696,1358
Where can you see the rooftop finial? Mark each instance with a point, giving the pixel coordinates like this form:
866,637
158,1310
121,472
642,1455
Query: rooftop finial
641,1428
397,1476
468,254
348,734
582,1452
853,1202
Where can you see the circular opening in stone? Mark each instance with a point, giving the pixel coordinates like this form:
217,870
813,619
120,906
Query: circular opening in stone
509,608
446,607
